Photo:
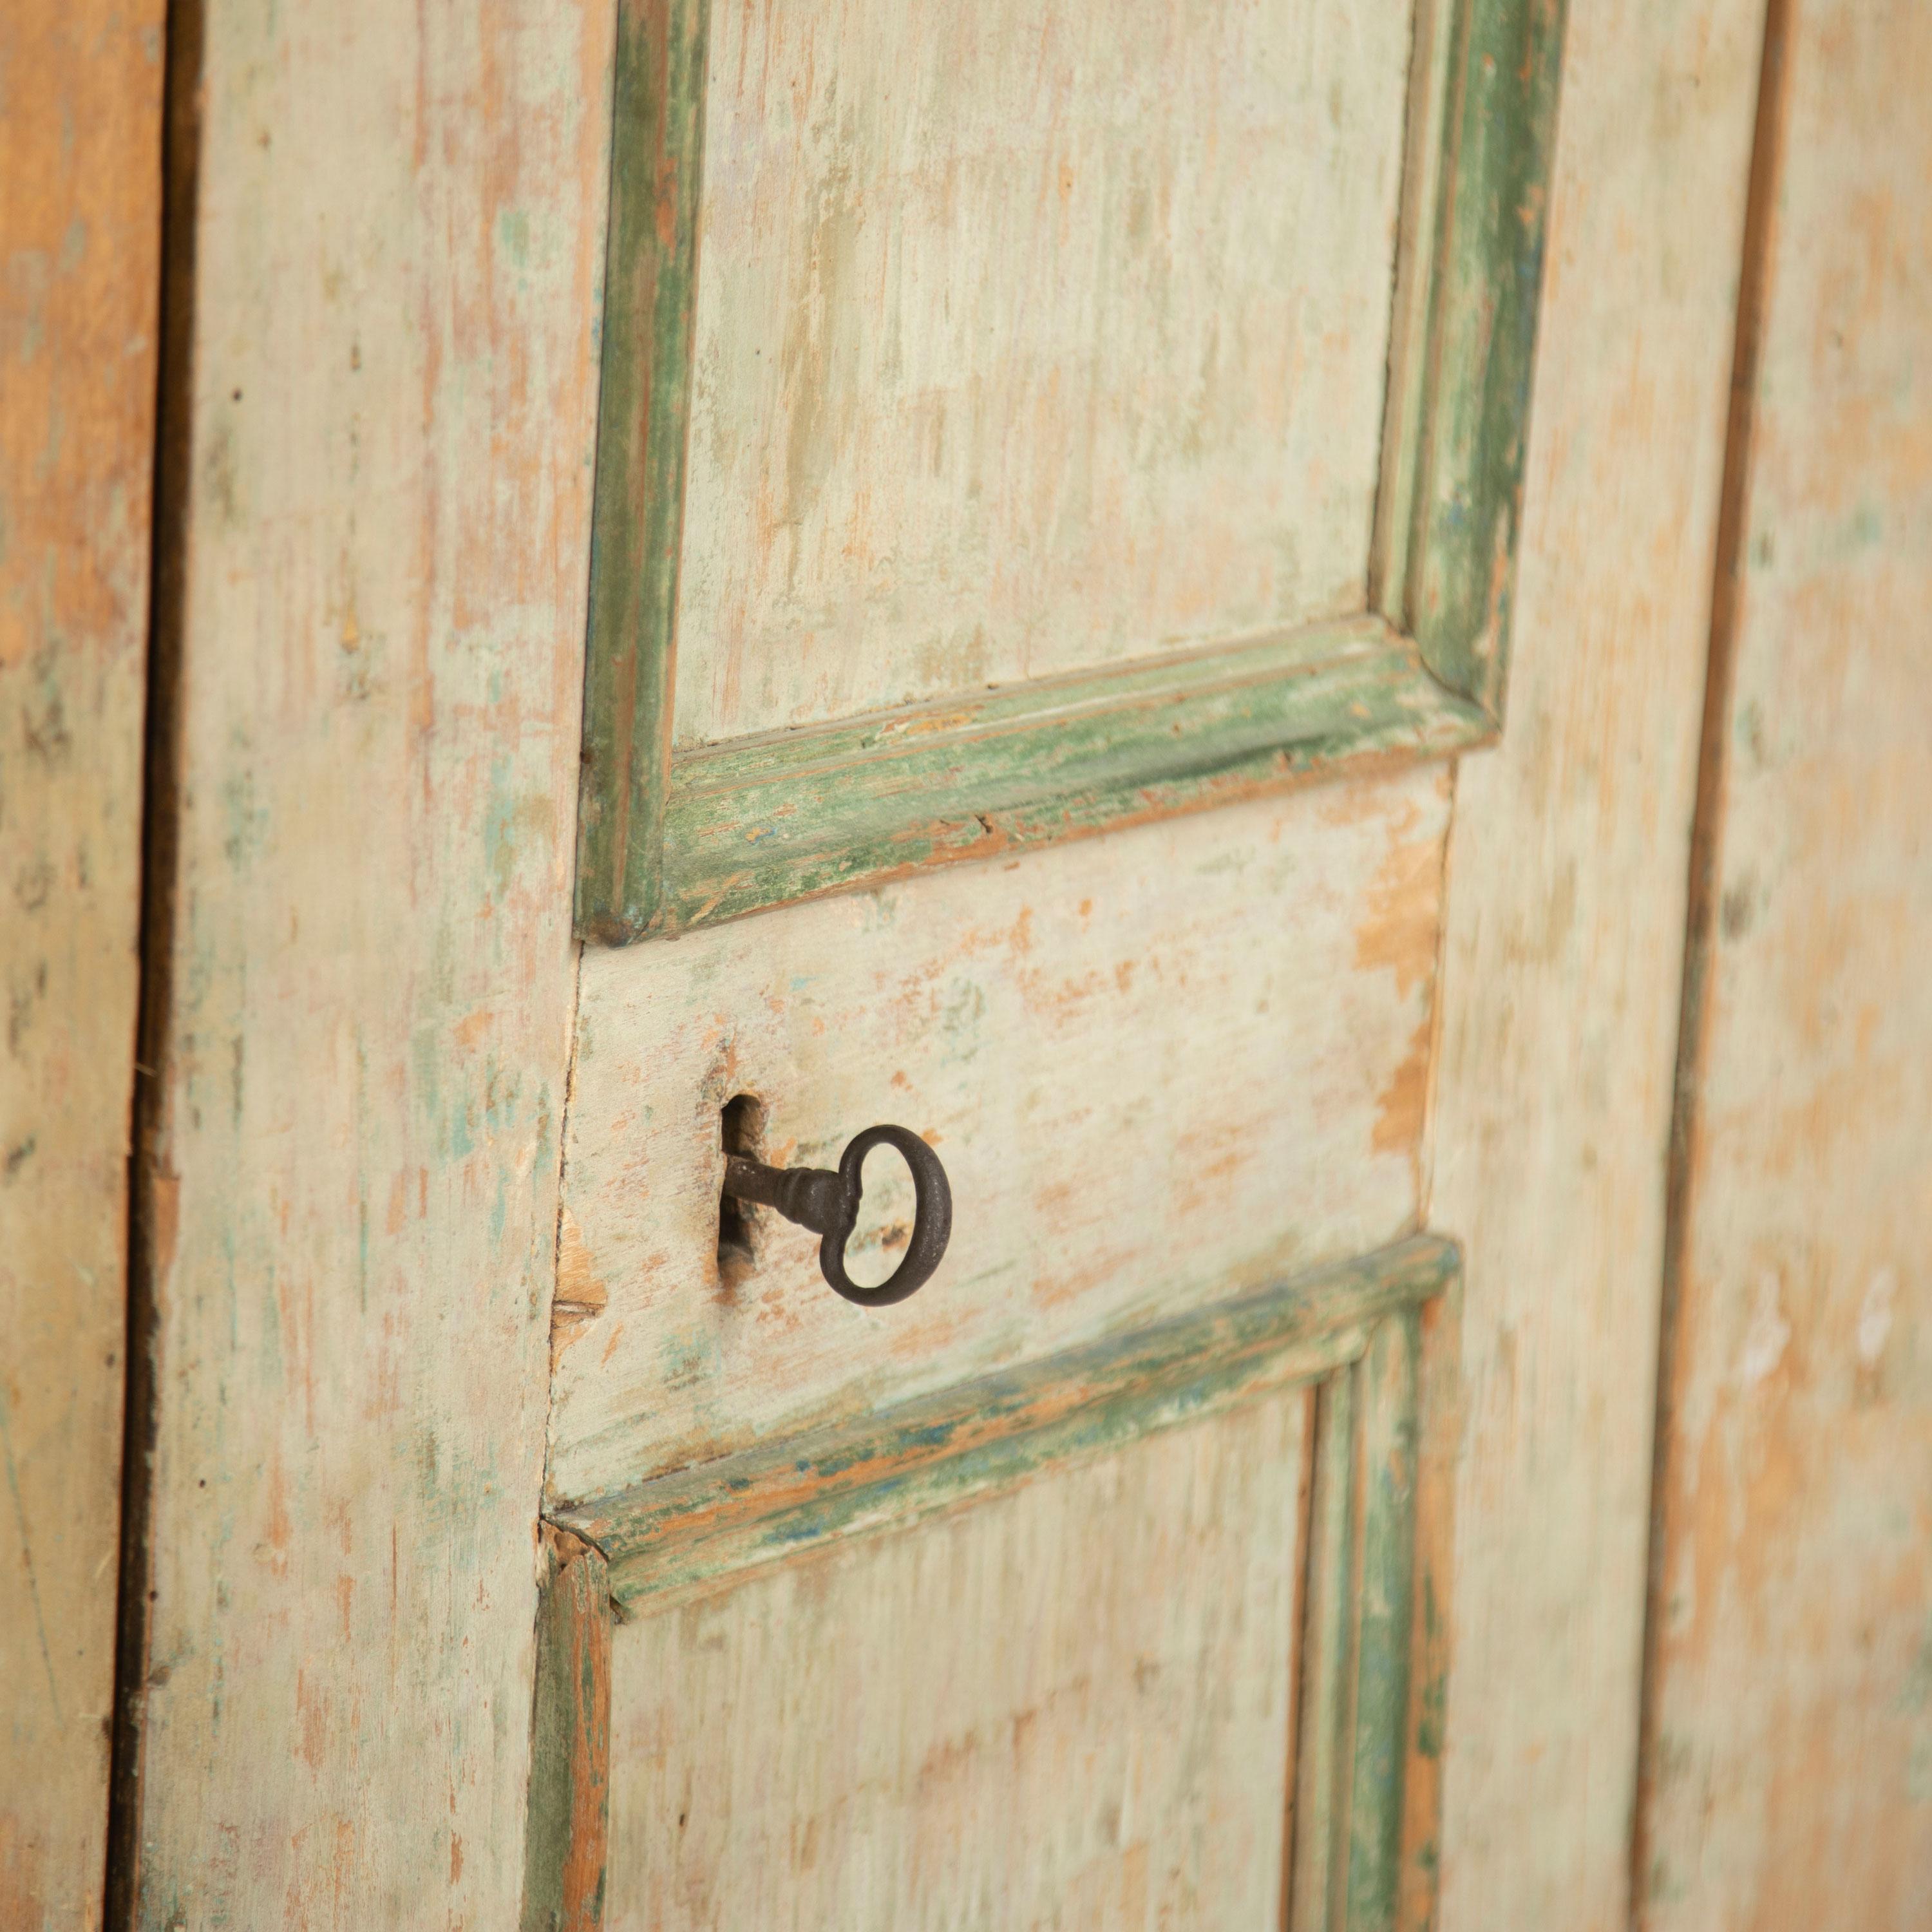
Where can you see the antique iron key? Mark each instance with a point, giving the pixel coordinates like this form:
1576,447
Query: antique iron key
826,1200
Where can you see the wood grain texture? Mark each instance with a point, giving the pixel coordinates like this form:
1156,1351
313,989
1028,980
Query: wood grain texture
1789,1778
989,1008
80,98
1562,953
684,1534
352,1177
1030,338
990,1723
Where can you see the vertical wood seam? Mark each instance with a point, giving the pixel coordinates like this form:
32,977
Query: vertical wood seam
1701,884
149,1213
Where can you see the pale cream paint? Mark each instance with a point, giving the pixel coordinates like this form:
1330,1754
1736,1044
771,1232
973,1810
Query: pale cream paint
1159,1067
398,241
1030,337
1562,959
1790,1778
992,1723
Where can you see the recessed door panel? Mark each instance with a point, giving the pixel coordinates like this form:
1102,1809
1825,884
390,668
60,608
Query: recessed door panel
1070,1707
1030,337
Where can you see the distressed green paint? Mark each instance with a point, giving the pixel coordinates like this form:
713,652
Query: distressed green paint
568,1818
1499,134
666,844
678,1535
761,821
644,420
1385,1491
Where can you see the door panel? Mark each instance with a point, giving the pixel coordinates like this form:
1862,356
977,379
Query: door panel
1108,1166
1070,1707
1029,337
949,357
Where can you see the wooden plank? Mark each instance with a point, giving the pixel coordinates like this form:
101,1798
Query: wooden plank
764,820
567,1841
80,210
682,1534
644,416
1789,1767
1485,264
1562,958
1031,338
985,1008
352,1177
994,1720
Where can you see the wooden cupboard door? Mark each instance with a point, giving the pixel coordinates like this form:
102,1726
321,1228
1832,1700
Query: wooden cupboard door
1056,503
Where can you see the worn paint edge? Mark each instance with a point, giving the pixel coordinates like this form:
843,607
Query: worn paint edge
643,428
567,1836
1457,580
761,822
680,1535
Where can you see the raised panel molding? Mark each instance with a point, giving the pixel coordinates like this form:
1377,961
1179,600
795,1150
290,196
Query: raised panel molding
1366,1659
673,834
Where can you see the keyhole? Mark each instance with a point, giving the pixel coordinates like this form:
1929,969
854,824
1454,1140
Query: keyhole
741,1128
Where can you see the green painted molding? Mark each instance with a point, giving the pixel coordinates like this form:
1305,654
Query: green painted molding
644,421
760,821
568,1818
684,1534
1468,449
1353,1733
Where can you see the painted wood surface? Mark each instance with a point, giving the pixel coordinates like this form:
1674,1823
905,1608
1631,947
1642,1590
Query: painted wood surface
794,815
351,1187
1789,1770
679,1535
79,242
1460,446
1063,1029
566,1844
1030,337
1352,1737
1562,958
881,1749
643,431
915,478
